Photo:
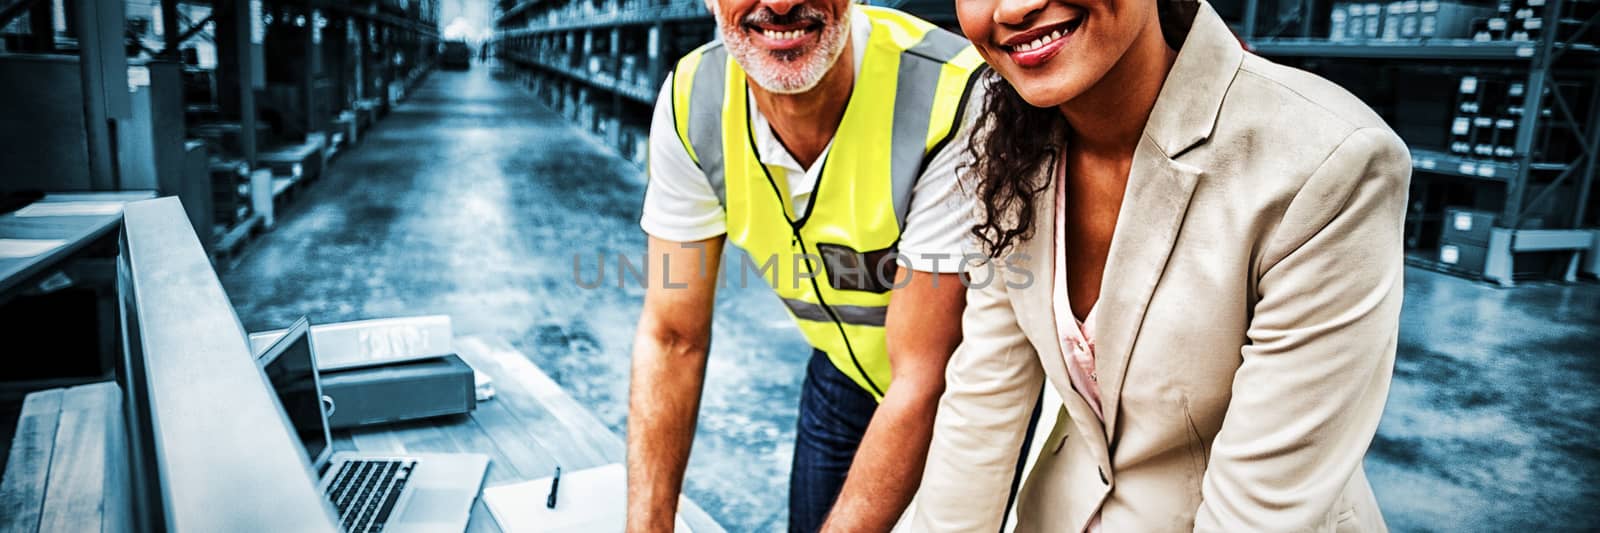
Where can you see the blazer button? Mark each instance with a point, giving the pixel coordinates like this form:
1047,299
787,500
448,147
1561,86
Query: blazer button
1103,476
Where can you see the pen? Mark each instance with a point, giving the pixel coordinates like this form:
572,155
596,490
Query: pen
555,483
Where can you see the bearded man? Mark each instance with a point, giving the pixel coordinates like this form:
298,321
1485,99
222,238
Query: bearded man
823,138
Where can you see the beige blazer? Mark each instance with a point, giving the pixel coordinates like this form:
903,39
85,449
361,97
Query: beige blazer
1246,324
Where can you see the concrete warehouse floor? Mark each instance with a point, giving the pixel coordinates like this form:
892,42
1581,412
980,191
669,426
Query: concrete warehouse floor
472,200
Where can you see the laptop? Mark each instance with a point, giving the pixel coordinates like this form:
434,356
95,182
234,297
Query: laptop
399,493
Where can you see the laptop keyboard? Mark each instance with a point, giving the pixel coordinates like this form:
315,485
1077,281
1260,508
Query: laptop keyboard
365,492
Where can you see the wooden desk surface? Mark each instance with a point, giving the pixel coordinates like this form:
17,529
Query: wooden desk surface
68,463
77,231
528,428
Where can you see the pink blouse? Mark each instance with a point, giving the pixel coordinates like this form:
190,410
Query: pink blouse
1076,338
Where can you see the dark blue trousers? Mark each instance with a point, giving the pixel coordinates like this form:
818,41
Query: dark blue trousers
834,413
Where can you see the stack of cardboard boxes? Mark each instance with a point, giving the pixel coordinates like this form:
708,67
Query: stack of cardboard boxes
230,189
1525,20
1464,243
1484,125
1420,20
1404,21
1488,116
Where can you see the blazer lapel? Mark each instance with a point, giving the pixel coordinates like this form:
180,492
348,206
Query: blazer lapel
1153,208
1036,314
1158,193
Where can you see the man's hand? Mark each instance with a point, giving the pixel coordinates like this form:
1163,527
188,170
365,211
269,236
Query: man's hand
924,327
669,367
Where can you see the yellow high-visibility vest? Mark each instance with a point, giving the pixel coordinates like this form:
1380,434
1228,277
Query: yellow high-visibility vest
833,264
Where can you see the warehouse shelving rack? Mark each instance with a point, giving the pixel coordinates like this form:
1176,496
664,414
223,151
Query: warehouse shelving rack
601,62
1524,179
268,105
319,70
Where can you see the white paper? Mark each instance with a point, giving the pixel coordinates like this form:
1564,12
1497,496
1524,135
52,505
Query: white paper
70,209
587,501
25,248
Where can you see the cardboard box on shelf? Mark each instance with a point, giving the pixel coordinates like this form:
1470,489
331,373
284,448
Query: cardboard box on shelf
1471,259
1445,19
1468,225
1463,256
1531,27
1505,138
1373,13
1480,31
1464,241
1483,136
627,71
1338,20
1566,29
1356,21
1498,28
1394,20
1467,95
1516,33
1461,136
1410,17
1515,92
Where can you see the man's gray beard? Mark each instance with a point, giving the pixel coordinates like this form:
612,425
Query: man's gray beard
778,74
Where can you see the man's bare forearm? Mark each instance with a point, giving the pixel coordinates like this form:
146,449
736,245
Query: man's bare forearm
923,327
663,404
888,466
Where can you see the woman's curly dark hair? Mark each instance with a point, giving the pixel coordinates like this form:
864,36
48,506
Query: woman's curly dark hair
1014,143
1012,140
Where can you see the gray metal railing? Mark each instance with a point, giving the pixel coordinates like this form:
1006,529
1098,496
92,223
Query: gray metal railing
222,453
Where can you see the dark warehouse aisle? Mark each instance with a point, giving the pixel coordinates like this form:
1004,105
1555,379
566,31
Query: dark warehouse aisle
471,200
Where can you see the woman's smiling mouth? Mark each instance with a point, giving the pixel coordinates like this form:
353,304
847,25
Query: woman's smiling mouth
1034,47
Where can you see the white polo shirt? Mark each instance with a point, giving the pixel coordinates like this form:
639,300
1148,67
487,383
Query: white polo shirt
680,205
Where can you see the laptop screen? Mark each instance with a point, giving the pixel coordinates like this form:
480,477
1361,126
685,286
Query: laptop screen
290,368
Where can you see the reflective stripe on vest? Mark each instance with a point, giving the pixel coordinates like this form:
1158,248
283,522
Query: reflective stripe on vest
832,261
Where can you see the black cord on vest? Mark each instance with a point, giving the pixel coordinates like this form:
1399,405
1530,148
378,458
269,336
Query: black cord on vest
794,229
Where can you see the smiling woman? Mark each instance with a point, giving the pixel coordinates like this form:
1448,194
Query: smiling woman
1023,56
1222,237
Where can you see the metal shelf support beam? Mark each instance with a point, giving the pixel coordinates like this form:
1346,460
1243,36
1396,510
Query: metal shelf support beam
1528,129
1586,183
